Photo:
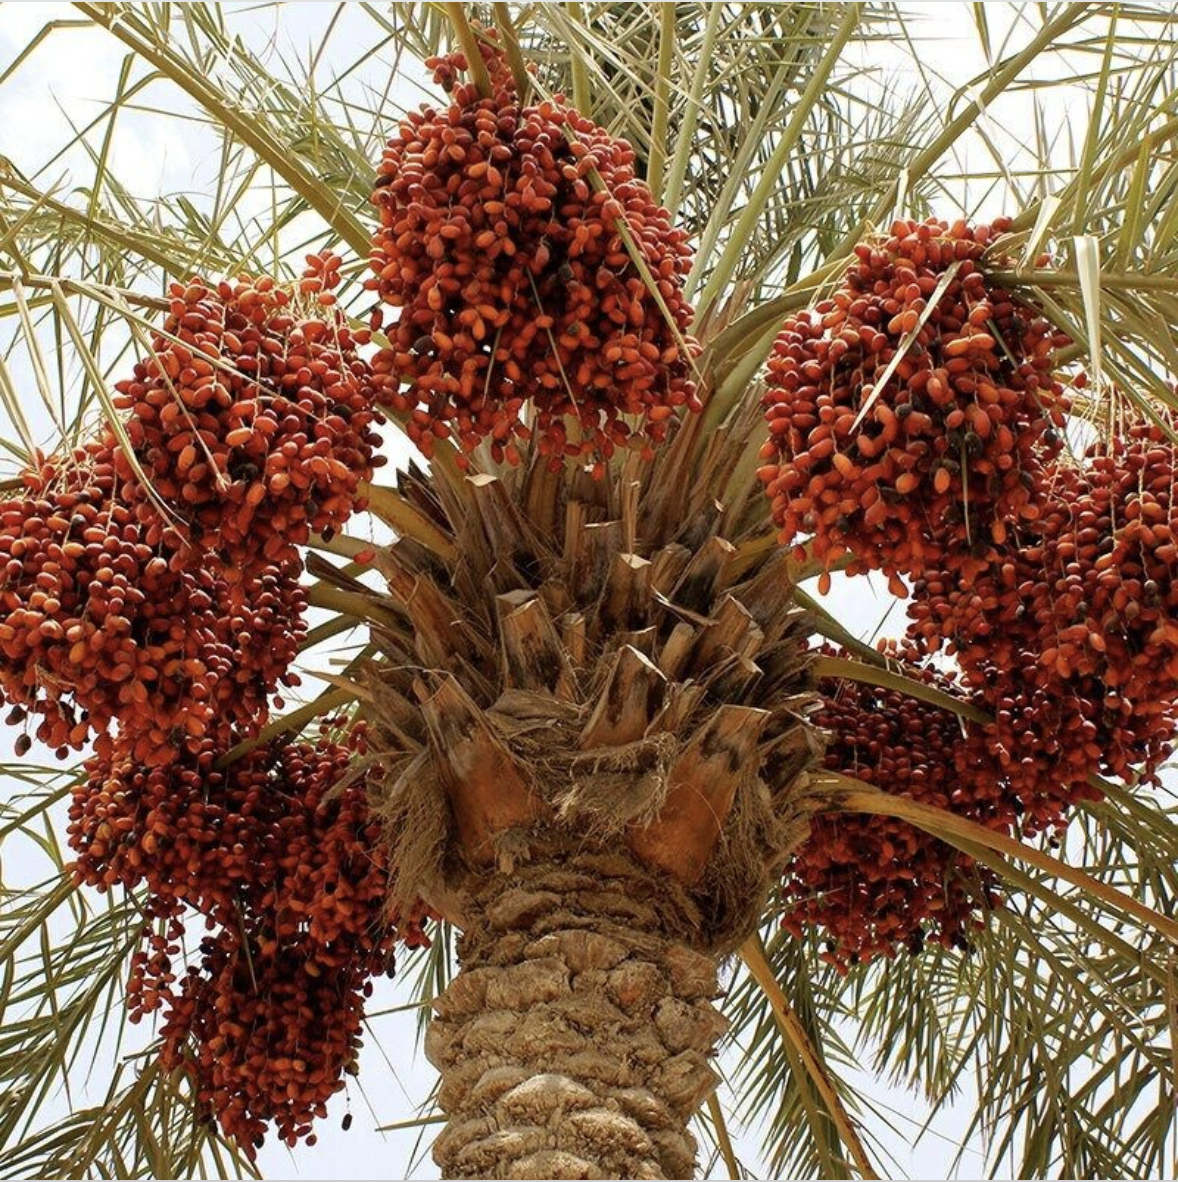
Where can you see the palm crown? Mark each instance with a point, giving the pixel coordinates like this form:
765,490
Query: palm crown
590,714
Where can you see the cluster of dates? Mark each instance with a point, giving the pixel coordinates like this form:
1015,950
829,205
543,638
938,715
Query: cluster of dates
150,606
281,857
874,884
916,428
508,238
912,413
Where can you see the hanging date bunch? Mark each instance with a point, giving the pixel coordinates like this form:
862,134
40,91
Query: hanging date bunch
507,239
1045,741
874,884
910,415
150,603
282,857
98,627
269,1031
79,645
194,834
1004,630
1072,634
155,589
253,418
1129,608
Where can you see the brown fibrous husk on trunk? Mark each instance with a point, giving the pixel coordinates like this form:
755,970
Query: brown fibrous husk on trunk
575,1041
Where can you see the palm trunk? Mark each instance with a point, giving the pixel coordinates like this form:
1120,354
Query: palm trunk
574,1041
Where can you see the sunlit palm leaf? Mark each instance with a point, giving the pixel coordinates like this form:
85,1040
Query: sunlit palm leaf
63,960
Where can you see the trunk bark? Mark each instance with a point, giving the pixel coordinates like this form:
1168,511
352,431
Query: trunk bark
574,1041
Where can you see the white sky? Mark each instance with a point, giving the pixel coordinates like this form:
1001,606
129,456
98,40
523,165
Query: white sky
68,81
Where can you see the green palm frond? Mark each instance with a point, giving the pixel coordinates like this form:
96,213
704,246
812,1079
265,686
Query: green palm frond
1032,1033
63,961
1035,1030
143,1128
775,1092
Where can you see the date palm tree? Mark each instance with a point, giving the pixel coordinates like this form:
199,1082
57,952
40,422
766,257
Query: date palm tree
589,699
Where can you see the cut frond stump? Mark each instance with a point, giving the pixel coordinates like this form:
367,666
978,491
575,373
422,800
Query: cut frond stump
604,679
